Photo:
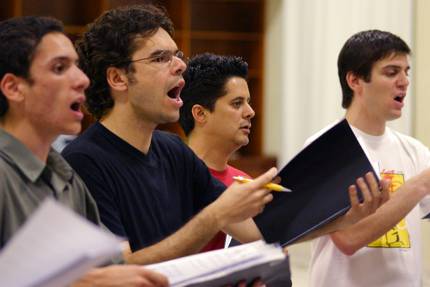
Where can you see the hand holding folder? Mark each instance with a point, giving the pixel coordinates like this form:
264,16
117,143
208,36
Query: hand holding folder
320,176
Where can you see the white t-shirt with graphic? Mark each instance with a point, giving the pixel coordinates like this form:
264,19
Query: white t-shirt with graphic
395,258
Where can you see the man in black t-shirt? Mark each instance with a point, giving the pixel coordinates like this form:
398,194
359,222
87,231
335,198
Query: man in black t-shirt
148,185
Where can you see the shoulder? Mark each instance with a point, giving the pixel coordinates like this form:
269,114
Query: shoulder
163,137
169,143
411,145
85,145
415,149
408,140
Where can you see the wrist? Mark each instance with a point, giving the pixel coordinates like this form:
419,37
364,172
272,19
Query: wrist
88,279
214,216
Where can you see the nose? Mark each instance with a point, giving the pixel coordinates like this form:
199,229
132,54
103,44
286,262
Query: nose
403,80
80,79
178,66
249,111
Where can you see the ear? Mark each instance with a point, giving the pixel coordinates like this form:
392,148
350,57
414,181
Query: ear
117,78
199,114
13,87
354,82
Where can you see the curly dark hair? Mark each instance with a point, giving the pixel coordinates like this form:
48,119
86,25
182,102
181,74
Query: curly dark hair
19,38
110,42
359,54
205,80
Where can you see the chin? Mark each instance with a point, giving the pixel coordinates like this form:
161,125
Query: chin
394,116
72,130
242,142
171,119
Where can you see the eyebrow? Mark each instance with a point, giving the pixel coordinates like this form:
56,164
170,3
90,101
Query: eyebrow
63,59
245,98
396,67
160,51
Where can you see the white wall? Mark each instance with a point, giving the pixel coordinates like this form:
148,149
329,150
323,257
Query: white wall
304,37
422,100
422,71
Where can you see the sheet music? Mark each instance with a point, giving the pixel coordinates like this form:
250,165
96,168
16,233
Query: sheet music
220,263
54,247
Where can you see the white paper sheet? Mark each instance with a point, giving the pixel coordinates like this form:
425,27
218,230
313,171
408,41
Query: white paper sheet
54,247
222,263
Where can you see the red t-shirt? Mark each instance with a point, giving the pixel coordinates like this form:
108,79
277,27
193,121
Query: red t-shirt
226,177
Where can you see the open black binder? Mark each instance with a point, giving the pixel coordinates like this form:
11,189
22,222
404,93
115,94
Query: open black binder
319,177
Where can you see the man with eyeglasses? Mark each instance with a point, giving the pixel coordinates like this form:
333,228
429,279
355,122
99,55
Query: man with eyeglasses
149,186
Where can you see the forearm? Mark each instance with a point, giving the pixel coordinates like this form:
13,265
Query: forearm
122,275
237,203
325,229
244,231
388,215
189,239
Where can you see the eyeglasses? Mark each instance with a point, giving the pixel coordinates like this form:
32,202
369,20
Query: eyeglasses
163,56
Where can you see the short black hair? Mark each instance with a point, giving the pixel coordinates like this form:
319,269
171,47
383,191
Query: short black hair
361,51
19,38
110,42
205,80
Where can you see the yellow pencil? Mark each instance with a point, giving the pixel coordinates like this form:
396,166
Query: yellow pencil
271,186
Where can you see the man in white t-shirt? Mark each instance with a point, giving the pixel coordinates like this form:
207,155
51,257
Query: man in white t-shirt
383,249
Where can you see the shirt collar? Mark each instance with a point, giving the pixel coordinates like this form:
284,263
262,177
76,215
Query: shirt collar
28,163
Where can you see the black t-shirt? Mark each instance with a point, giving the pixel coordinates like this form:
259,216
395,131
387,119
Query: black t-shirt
142,197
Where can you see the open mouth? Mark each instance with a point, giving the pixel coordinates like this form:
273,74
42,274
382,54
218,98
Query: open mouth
399,99
75,106
174,93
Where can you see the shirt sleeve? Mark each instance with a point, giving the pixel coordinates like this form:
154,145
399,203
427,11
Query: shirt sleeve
101,188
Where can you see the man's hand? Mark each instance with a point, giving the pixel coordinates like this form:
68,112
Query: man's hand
242,201
373,198
122,275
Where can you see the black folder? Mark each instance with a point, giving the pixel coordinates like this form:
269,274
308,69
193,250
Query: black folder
319,177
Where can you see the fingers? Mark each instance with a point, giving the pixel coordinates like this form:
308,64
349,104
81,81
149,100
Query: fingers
385,190
373,196
155,278
367,197
374,190
353,198
267,198
263,179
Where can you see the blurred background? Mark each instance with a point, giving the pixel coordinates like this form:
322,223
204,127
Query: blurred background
291,47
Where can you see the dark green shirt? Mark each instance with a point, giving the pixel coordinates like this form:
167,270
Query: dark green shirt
25,181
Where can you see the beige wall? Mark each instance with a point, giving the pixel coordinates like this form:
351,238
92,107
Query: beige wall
421,127
421,62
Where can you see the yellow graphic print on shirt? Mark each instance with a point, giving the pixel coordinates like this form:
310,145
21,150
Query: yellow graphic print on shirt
398,236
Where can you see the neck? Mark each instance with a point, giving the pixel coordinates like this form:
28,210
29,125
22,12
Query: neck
214,153
129,127
38,142
361,119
